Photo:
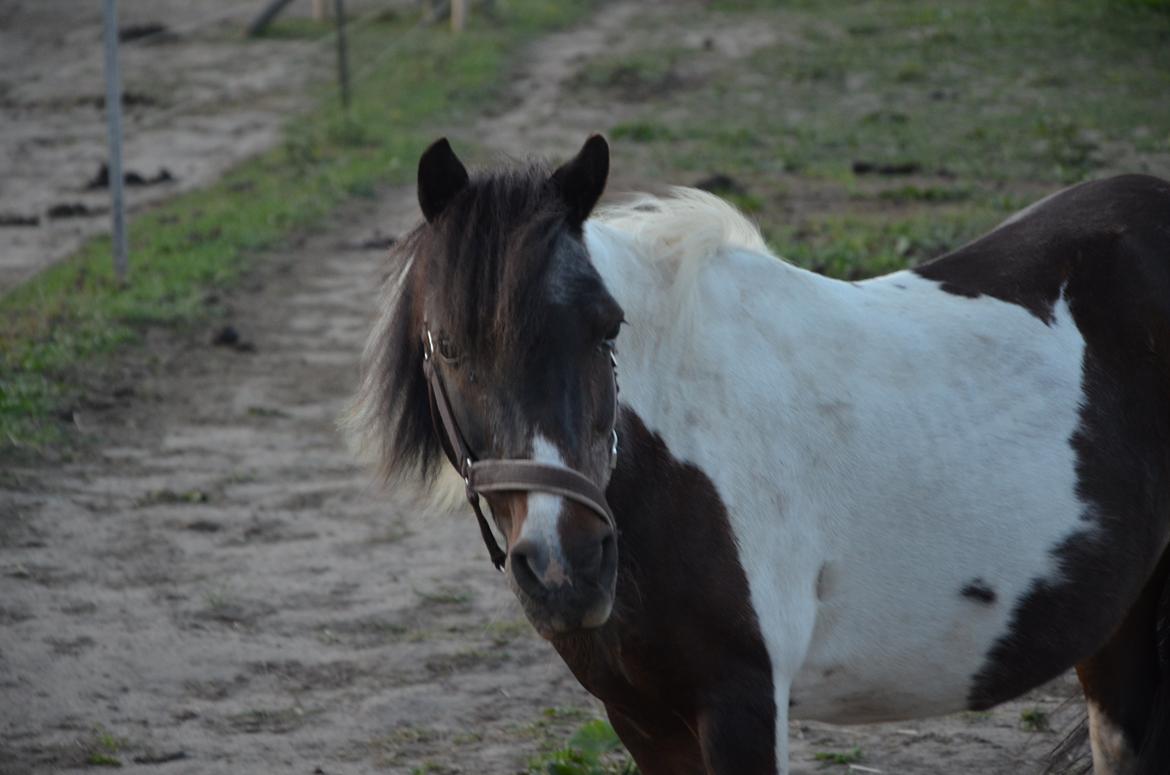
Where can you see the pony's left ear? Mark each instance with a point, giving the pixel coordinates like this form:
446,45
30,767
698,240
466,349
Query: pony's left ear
440,177
581,181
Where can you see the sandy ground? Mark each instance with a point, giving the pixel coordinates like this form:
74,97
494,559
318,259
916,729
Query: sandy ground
198,99
212,586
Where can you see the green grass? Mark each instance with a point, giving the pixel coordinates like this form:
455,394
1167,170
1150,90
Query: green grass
102,748
633,76
843,758
857,246
988,106
296,28
640,132
998,90
1035,720
594,749
189,249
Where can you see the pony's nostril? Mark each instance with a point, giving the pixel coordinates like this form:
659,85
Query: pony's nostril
608,544
529,565
608,562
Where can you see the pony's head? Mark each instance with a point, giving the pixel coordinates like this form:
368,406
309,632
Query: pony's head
498,288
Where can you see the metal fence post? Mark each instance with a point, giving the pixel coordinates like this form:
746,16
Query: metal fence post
114,122
342,53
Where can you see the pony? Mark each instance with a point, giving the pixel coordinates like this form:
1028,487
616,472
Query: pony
842,501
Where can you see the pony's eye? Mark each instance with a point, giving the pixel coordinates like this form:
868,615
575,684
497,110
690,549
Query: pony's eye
613,331
447,348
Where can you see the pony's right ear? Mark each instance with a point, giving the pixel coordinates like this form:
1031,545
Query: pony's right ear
440,177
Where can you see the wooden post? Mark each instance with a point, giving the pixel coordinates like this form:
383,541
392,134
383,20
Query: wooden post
320,10
114,127
458,15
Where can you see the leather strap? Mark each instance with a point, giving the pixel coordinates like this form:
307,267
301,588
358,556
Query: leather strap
513,475
456,448
493,475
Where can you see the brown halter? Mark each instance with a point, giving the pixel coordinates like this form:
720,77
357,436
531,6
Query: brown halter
498,475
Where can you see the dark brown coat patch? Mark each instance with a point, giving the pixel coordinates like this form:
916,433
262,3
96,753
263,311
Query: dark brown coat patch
686,678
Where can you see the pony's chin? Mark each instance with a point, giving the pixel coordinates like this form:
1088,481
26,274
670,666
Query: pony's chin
555,626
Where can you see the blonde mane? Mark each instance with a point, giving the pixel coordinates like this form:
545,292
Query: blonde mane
679,233
683,228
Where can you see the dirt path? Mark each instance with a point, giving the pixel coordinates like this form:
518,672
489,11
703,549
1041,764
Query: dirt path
214,587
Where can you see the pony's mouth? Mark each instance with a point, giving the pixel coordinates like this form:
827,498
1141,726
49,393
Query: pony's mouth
565,611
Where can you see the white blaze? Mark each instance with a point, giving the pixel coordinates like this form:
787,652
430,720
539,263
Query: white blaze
544,510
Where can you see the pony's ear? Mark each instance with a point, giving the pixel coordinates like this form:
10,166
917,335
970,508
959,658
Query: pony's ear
581,180
440,177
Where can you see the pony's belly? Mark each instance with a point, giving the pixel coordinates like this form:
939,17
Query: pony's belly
913,663
920,642
841,695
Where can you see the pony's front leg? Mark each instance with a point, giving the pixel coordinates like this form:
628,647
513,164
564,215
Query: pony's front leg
745,732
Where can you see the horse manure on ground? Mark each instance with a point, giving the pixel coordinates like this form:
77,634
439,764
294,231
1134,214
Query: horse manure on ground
101,179
229,336
74,210
876,168
9,220
719,183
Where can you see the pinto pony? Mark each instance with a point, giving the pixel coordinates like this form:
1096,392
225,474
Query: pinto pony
844,501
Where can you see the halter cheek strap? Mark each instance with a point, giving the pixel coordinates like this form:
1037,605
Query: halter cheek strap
498,475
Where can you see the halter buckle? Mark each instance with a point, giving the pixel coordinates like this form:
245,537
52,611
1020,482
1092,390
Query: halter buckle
429,350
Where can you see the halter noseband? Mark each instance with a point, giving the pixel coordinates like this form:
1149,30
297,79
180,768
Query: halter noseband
504,475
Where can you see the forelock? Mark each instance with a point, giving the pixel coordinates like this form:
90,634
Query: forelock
490,252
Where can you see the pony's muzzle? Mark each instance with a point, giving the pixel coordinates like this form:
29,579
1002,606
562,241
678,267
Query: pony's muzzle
567,583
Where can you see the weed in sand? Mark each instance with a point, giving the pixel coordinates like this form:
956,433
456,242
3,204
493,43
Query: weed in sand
445,595
594,749
271,720
506,631
172,497
1035,720
102,748
852,756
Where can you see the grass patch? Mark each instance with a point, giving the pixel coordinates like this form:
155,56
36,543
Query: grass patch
987,105
995,90
839,757
1035,720
185,251
296,28
927,194
857,246
594,749
102,749
445,596
641,132
639,75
